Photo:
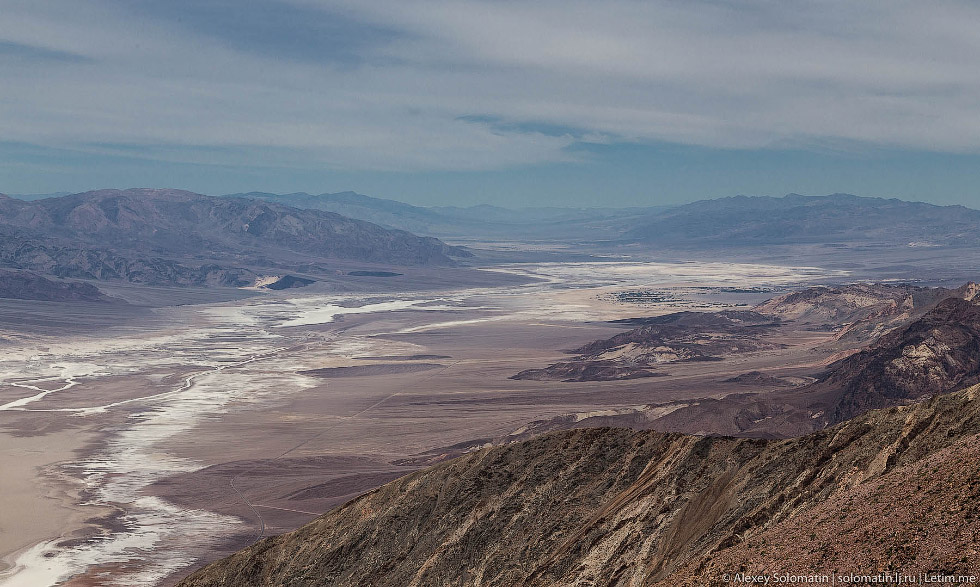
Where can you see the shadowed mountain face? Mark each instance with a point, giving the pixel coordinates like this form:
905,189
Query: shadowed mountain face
25,285
798,219
619,507
388,213
177,237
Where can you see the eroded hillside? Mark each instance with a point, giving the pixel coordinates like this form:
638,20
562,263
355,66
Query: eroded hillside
619,507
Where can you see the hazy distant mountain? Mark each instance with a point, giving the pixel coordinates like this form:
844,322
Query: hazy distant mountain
481,221
178,237
743,220
389,213
32,197
733,221
536,215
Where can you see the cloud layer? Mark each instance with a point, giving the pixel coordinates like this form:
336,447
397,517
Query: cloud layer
452,85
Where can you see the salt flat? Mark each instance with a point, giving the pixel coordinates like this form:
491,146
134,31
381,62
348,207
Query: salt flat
195,430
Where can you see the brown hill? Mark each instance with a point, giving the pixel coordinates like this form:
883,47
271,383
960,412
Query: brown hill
620,507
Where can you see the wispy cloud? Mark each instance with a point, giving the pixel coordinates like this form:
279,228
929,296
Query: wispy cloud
468,85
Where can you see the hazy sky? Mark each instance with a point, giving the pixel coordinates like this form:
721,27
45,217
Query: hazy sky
516,103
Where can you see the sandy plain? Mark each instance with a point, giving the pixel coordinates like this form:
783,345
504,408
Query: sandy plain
186,432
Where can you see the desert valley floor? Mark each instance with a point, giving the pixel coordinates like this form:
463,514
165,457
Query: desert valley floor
140,442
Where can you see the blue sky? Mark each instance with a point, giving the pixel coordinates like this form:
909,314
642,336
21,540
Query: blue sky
515,103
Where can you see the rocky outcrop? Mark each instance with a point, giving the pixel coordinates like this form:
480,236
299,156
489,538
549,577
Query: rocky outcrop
939,352
620,507
681,336
760,379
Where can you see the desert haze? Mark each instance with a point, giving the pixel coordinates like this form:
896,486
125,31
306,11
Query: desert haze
472,293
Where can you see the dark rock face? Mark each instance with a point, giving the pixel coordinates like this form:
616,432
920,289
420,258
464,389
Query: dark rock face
289,282
693,334
758,378
24,285
681,336
586,371
177,237
618,507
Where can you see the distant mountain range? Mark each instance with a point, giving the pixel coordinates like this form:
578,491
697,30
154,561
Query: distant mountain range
793,219
182,238
163,236
706,224
482,221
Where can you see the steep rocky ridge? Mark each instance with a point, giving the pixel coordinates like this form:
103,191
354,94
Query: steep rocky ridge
620,507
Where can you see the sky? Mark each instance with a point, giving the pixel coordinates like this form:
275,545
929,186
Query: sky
515,103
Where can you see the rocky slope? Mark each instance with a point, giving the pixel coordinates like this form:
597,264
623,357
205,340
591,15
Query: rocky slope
619,507
937,353
178,237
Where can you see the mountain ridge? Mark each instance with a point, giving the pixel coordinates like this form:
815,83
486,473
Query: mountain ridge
796,219
178,237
